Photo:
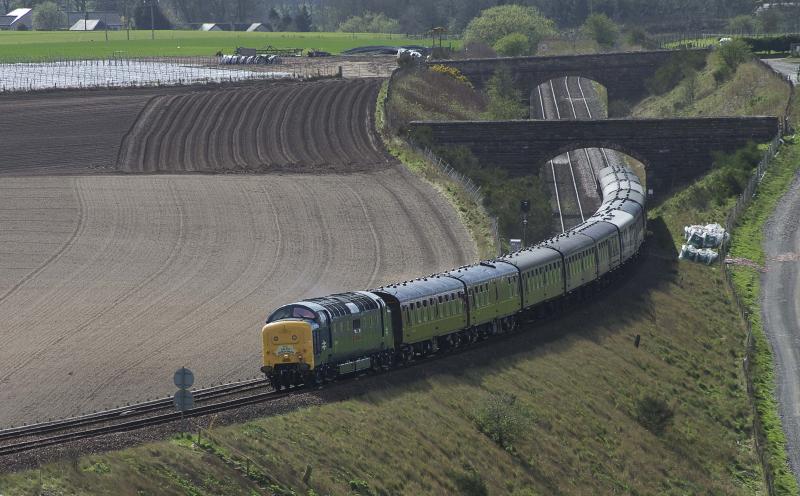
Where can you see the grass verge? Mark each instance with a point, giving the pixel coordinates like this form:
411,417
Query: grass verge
473,216
747,242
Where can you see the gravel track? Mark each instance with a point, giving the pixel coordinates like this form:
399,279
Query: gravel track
297,127
780,311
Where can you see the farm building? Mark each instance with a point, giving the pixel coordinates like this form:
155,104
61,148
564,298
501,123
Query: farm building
110,19
88,25
257,27
212,26
17,20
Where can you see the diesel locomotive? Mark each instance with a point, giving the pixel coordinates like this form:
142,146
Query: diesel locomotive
319,339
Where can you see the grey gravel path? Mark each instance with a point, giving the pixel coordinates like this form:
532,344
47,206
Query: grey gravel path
785,66
780,307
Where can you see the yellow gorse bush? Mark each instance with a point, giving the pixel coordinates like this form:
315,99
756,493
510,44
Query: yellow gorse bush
451,72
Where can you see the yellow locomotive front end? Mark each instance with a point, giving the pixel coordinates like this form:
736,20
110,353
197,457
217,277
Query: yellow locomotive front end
288,351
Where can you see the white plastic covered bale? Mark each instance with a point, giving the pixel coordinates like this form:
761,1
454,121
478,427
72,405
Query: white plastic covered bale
707,236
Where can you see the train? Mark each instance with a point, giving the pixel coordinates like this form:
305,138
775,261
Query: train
320,339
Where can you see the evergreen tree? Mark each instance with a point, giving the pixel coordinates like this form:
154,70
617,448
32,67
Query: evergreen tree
302,21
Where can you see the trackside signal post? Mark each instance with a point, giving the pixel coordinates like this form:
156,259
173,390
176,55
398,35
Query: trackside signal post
183,399
525,208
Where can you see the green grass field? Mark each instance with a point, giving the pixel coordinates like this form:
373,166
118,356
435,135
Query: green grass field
39,45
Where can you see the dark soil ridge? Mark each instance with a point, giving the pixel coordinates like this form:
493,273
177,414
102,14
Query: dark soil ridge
323,126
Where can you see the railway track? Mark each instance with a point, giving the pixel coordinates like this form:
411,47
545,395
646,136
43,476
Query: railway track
573,175
150,413
568,205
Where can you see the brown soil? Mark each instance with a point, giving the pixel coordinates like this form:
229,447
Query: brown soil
108,282
324,125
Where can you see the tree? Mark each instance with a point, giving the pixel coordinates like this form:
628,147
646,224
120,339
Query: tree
141,16
770,20
742,24
601,29
513,45
498,22
370,22
302,21
274,19
47,17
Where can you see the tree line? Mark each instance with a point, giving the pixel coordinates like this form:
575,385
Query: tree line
415,16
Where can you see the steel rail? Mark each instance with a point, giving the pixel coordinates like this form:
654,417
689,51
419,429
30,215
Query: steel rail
552,165
146,407
569,160
589,112
146,422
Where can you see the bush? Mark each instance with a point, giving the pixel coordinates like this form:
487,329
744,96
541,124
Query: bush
470,482
498,22
734,53
513,45
47,17
500,418
772,43
638,36
601,29
504,98
666,77
654,414
451,72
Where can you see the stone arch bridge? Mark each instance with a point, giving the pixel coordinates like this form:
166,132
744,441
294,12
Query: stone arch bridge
673,151
624,74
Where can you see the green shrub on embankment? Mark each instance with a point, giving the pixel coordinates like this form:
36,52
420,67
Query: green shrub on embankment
720,87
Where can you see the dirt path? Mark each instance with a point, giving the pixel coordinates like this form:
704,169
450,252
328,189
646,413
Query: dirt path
780,311
110,282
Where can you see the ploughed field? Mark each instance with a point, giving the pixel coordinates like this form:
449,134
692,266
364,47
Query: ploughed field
110,280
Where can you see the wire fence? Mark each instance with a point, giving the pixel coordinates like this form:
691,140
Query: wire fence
700,39
733,218
151,72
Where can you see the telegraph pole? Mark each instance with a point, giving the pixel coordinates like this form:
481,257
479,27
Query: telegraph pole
152,23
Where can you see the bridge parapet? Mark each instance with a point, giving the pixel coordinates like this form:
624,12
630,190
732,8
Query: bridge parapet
624,74
674,151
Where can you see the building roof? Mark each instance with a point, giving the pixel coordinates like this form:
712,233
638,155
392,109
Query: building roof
90,25
111,19
211,26
20,12
257,26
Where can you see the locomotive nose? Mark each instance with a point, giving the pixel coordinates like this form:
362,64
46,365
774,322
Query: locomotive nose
287,343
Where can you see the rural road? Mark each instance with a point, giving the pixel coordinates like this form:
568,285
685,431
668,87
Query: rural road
780,309
113,274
